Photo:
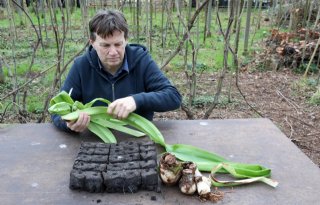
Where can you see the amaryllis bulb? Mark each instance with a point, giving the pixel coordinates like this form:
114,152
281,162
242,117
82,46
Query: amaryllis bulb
170,169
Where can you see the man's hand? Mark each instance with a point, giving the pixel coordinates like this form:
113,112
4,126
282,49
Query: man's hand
81,124
122,107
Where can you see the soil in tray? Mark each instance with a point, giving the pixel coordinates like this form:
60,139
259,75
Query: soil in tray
123,167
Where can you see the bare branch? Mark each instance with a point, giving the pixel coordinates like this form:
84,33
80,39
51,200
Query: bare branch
185,36
226,37
35,29
43,72
27,83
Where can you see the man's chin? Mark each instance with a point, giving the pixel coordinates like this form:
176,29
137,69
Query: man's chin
114,65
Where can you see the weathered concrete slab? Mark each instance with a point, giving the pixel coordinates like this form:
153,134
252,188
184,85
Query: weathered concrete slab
36,159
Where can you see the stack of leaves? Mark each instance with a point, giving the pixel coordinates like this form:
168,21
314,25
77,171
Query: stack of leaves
101,123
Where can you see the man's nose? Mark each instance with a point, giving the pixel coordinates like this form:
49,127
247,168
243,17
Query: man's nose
112,50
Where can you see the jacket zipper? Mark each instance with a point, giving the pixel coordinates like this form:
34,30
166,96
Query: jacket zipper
113,84
113,94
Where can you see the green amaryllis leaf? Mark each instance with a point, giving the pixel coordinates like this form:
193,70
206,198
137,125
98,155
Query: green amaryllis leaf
231,170
224,183
77,106
95,100
61,97
248,170
109,124
119,122
134,120
242,170
110,118
90,111
60,108
104,133
145,126
184,150
206,160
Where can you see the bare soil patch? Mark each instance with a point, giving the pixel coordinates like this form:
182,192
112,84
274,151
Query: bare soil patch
277,95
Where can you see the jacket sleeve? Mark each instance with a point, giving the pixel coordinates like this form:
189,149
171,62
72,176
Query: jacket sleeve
72,82
160,95
59,123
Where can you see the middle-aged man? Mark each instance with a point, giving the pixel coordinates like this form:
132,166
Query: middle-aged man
120,72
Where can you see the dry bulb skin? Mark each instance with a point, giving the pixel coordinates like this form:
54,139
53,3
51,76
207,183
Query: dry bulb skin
190,178
170,169
187,183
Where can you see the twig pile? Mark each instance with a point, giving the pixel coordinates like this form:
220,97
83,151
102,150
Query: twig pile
293,49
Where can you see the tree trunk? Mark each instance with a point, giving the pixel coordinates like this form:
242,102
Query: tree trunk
185,64
311,59
306,12
317,18
247,30
2,77
84,15
146,30
13,49
236,42
208,20
150,27
226,36
259,14
138,20
43,14
294,16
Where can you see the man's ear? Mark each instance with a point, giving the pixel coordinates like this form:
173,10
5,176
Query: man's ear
91,41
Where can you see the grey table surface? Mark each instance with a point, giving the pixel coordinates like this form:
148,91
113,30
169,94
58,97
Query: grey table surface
36,160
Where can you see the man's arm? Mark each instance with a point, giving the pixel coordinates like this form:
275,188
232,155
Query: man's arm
160,95
59,123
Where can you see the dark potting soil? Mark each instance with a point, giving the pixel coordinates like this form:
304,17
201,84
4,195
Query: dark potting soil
124,167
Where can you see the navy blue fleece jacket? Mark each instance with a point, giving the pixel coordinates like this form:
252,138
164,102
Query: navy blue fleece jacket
150,89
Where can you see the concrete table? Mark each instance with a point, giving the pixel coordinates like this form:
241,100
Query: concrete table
36,159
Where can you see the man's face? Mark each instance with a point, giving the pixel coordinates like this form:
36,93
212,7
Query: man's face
110,50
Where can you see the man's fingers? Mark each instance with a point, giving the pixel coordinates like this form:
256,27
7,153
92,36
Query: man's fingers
81,124
120,111
123,113
87,121
70,123
111,108
122,107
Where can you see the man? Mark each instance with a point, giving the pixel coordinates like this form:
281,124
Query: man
123,73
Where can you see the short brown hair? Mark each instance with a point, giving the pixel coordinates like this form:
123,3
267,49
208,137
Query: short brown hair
105,22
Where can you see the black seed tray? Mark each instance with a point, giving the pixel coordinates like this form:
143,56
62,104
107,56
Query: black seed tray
123,167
